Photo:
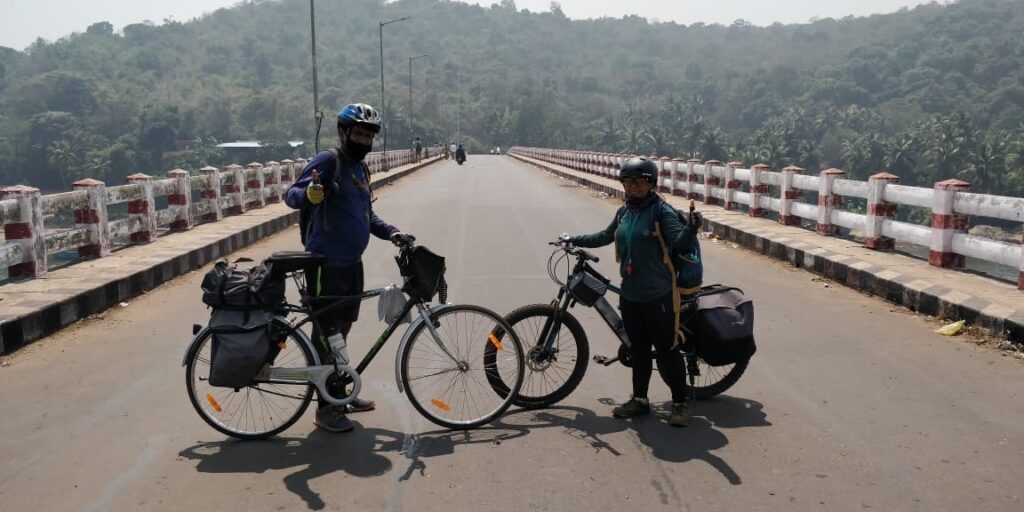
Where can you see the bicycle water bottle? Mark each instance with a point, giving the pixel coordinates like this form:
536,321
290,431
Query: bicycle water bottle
339,346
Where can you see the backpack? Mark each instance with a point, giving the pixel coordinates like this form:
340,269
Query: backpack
685,263
306,212
226,287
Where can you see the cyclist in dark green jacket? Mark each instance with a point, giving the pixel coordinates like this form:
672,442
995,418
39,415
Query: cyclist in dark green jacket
646,232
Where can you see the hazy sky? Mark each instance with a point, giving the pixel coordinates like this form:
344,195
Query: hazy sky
22,21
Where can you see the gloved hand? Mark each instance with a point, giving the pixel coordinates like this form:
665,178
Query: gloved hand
402,239
696,220
315,191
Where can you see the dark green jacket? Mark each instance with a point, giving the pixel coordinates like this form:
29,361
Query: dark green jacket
637,246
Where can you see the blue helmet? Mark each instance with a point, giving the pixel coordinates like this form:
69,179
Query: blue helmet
359,114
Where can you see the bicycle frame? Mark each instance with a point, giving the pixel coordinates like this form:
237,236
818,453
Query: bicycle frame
565,300
322,371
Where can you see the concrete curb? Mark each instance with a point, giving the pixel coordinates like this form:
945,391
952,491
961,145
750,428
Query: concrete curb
42,318
919,295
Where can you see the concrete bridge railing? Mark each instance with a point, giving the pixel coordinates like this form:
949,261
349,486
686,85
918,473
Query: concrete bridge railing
760,190
207,195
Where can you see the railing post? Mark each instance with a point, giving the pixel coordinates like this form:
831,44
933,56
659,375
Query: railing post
787,195
757,189
664,172
300,165
945,222
273,181
27,231
94,218
673,176
879,211
143,210
211,194
255,184
828,201
236,189
710,182
731,184
181,200
691,178
287,174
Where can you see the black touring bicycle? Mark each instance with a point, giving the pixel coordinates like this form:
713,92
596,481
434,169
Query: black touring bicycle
716,324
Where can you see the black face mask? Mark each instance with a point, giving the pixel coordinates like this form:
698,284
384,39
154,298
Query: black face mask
356,151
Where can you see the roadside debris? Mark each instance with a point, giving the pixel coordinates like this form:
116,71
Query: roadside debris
951,329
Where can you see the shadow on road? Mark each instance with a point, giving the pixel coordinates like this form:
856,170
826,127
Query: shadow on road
361,453
358,453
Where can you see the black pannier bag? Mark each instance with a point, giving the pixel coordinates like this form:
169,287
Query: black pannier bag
425,271
587,288
724,325
241,344
228,287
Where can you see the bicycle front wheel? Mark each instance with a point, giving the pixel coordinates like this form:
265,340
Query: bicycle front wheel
446,376
549,377
256,411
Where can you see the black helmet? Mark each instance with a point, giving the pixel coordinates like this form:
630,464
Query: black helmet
359,114
637,167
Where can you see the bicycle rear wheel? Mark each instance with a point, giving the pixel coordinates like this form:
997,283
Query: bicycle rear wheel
451,386
260,409
715,380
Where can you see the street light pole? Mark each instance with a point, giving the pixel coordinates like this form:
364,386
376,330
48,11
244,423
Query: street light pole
317,115
410,92
380,27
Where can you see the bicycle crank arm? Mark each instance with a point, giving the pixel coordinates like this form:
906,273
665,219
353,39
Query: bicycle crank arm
318,375
604,360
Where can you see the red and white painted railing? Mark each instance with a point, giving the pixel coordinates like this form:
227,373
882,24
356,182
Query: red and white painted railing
732,186
230,191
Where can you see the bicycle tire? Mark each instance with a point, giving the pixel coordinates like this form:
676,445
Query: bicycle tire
220,407
447,404
543,385
713,380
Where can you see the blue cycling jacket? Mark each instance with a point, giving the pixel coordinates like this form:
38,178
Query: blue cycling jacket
343,222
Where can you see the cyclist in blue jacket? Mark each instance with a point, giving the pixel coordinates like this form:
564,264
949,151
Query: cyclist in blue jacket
336,185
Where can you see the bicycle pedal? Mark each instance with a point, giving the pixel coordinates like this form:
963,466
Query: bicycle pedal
600,359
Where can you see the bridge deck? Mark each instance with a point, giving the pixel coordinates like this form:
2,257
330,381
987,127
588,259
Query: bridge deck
846,405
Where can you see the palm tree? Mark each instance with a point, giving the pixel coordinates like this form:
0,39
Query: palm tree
62,157
711,145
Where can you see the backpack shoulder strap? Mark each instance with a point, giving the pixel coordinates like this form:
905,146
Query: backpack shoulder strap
666,256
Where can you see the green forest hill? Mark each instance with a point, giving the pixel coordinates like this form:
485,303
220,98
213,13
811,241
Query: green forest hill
927,94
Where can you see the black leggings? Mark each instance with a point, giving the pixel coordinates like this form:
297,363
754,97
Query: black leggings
653,323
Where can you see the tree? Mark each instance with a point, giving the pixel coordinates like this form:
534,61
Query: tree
62,156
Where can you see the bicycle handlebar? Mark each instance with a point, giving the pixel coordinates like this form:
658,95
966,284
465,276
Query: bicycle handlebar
569,248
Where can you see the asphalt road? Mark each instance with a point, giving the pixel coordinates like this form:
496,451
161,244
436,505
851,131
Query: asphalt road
846,406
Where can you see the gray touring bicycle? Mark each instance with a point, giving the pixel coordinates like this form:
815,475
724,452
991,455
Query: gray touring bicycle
440,363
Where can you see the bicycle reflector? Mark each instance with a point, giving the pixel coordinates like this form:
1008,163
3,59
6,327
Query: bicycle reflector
441,405
213,402
495,341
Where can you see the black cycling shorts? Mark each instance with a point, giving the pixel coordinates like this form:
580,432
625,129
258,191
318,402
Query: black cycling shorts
343,280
